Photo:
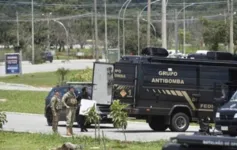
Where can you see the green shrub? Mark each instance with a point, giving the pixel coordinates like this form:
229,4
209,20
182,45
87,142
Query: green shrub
82,76
3,119
119,115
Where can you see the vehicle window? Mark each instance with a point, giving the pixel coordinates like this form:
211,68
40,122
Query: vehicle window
234,97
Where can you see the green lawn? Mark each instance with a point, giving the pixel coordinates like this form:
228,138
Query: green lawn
43,79
23,101
27,141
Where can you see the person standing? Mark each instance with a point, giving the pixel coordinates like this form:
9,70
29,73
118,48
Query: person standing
69,100
82,119
56,107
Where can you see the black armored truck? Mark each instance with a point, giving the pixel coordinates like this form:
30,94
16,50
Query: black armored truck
166,92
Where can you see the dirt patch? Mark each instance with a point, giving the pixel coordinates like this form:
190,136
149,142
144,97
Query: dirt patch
2,100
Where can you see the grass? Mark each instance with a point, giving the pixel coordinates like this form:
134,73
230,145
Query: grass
42,79
23,101
26,141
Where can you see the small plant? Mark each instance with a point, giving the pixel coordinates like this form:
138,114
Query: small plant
83,76
3,119
93,118
119,116
62,72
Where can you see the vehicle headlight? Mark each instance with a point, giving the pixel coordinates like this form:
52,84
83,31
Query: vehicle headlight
217,115
235,116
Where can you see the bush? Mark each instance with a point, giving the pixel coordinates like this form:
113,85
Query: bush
119,115
27,54
3,119
87,57
82,76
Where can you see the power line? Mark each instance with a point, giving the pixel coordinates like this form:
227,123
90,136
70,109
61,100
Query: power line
101,4
45,19
102,16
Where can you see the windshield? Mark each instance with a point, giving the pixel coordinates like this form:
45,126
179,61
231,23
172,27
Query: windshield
234,97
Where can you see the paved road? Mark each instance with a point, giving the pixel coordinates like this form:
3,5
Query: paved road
47,67
136,131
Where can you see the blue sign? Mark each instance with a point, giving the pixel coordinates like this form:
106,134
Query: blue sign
13,63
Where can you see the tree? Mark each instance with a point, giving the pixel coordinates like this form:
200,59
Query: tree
93,118
62,72
119,116
82,30
187,37
214,33
3,119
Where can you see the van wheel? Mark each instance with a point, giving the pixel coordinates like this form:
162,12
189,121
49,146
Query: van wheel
156,124
179,122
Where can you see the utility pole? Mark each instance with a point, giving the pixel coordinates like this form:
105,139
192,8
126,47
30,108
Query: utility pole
119,25
48,32
18,40
163,26
149,22
184,28
124,26
96,30
106,38
32,39
17,31
138,34
176,32
93,34
231,27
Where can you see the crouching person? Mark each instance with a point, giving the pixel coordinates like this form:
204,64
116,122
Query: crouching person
56,107
69,100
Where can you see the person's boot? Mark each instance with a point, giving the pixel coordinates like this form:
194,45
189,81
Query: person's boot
71,131
85,129
68,132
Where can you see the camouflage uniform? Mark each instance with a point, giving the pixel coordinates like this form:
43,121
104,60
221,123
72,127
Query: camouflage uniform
70,101
56,106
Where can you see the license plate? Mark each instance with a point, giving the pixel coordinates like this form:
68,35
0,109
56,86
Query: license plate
224,128
108,116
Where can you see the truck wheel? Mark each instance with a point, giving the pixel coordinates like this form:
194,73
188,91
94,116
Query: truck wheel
179,122
157,125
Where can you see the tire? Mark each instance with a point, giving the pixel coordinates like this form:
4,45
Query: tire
156,124
179,122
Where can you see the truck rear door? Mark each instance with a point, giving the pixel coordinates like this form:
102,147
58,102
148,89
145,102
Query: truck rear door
124,84
102,83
